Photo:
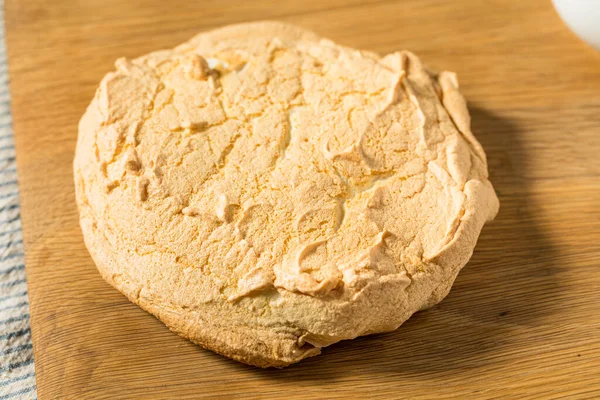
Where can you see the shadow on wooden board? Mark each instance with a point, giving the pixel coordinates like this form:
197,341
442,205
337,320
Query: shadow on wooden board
509,284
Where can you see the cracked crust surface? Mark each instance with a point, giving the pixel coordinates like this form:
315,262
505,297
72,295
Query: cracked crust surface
266,192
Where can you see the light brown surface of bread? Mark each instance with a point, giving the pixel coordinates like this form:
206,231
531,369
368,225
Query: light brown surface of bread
265,192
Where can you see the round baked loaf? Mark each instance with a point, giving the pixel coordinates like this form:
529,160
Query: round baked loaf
266,192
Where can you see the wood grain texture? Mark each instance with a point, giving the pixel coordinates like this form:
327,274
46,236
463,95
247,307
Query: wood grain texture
523,320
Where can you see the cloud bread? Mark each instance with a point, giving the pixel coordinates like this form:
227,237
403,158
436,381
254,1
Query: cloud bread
266,192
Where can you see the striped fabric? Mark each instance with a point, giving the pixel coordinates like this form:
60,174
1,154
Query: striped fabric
17,374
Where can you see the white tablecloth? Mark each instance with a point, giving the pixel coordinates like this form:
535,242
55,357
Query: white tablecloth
17,373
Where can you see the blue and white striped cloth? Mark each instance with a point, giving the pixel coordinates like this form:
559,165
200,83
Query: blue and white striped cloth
17,373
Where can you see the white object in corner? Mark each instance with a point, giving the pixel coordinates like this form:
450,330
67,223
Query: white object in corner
583,17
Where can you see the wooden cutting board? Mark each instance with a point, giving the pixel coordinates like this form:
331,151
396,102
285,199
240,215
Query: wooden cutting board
523,320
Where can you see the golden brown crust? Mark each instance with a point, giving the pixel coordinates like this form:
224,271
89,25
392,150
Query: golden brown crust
262,190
